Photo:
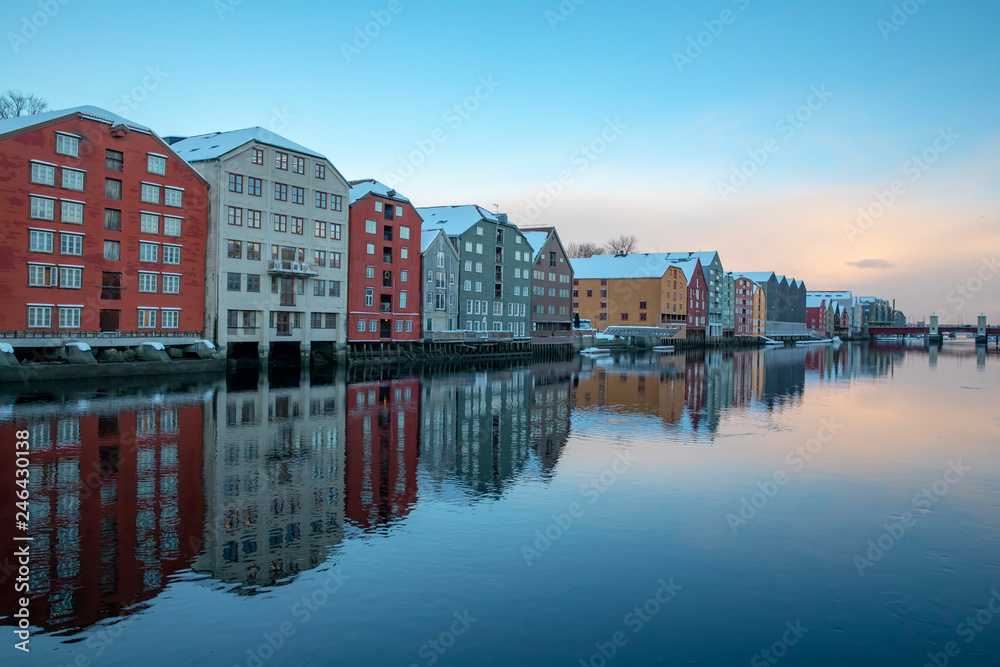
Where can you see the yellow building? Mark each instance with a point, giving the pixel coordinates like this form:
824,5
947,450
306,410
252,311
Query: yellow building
636,290
759,311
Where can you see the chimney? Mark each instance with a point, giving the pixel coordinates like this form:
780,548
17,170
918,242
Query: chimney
502,217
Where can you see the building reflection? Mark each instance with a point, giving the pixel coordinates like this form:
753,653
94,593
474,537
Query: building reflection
383,423
551,395
116,500
475,434
274,481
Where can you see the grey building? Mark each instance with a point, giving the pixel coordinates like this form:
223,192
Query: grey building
494,280
551,281
785,302
440,269
715,281
276,256
728,304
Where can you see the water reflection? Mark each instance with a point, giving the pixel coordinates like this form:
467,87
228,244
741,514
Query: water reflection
250,482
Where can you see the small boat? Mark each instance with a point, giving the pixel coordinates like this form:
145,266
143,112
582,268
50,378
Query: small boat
814,341
663,348
771,341
596,352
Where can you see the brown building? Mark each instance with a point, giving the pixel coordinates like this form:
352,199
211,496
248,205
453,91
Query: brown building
551,281
636,290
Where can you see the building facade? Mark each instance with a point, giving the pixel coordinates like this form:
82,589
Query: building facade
103,232
494,280
384,279
728,304
551,281
638,290
714,276
277,249
748,315
440,270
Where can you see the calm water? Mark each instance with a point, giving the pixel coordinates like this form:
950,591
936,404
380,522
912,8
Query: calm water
828,507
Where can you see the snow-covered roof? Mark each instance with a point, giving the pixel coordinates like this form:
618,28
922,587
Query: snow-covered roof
706,257
21,123
636,265
216,144
370,186
688,265
455,220
427,237
759,277
536,240
815,301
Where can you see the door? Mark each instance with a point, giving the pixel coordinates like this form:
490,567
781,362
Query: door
385,329
281,324
287,292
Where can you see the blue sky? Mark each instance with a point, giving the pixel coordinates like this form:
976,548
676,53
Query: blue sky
677,124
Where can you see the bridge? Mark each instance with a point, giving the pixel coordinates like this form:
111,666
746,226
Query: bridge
942,329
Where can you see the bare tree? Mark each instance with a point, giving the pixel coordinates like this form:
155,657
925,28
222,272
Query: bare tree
622,245
585,249
14,103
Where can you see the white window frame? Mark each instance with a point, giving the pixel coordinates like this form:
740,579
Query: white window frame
70,277
148,282
173,197
70,178
147,191
42,208
371,226
67,144
157,160
76,249
169,253
71,212
147,250
149,221
147,322
39,317
174,320
38,169
171,224
69,317
404,231
169,282
46,237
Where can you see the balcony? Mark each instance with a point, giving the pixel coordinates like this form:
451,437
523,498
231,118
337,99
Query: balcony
284,267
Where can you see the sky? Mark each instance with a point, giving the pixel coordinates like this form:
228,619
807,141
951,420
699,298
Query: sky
851,144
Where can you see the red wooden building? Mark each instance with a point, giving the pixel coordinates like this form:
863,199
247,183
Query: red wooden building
383,266
103,229
697,294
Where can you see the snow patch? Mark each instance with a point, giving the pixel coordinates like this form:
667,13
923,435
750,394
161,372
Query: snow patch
83,347
6,348
154,345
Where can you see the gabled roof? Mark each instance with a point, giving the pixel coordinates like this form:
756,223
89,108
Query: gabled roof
636,265
369,186
21,123
688,265
706,257
455,220
214,145
759,277
536,240
428,236
815,301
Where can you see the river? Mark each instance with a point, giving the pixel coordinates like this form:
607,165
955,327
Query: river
808,506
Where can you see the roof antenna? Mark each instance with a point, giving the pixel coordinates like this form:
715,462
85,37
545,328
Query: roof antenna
497,207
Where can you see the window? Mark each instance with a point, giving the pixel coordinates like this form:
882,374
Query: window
173,197
72,179
604,293
642,317
404,253
370,226
319,258
148,252
402,299
253,250
171,226
171,319
44,174
147,282
112,220
370,249
112,189
297,225
67,144
156,164
72,212
298,165
281,160
42,208
70,244
298,195
319,288
235,249
233,281
235,216
281,192
149,223
147,318
320,200
479,248
479,267
171,254
467,286
642,305
172,284
369,296
39,316
256,156
254,186
41,276
399,326
253,219
336,203
334,231
113,160
624,317
150,193
552,259
280,222
361,325
402,276
335,260
112,251
253,282
235,183
319,229
320,171
335,288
